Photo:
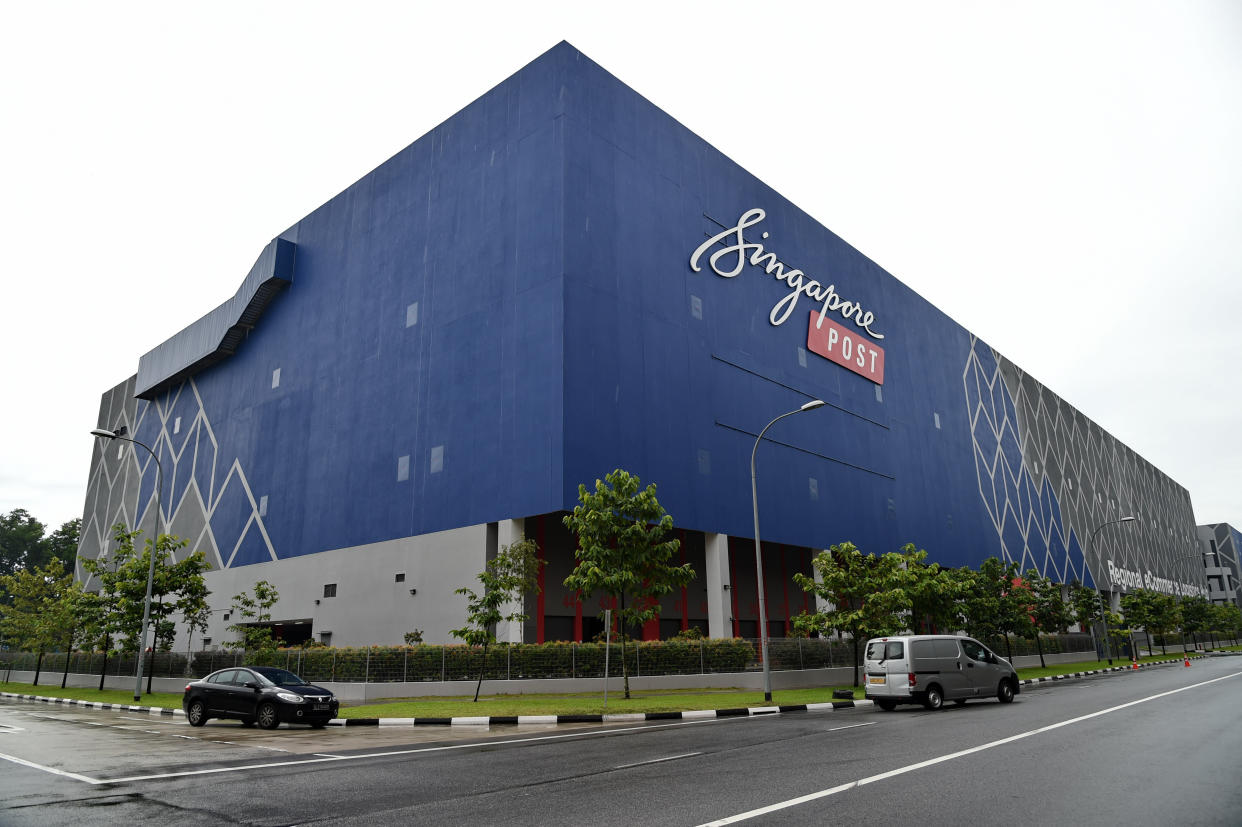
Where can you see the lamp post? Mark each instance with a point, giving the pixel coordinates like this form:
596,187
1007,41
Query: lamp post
754,498
119,433
1108,648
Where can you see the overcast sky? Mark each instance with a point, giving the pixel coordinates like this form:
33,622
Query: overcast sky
1063,179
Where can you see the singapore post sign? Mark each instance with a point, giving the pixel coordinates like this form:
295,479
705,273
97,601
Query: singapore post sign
836,342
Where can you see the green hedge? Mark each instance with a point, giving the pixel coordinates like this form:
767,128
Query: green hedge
429,662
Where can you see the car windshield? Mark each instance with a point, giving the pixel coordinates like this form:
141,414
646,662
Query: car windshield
279,677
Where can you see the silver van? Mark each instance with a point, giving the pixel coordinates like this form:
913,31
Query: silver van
932,669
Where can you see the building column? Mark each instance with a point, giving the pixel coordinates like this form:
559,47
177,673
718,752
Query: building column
821,605
716,548
508,533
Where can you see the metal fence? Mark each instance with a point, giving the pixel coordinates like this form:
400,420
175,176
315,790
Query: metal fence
379,664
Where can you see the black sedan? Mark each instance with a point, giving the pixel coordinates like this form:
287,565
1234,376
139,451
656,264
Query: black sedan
262,695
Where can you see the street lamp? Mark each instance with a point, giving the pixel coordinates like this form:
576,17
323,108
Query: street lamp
119,433
1108,649
754,496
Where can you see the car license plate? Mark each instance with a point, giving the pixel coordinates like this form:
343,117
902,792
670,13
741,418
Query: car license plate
875,679
319,707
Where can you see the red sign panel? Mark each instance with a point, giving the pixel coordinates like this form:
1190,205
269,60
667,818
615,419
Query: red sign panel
846,347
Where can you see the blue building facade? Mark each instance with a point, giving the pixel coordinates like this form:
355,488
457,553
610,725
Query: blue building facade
561,280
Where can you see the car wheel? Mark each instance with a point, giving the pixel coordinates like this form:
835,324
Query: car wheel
934,698
197,713
266,715
1004,692
886,704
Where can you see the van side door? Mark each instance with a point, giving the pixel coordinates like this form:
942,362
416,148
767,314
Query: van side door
982,674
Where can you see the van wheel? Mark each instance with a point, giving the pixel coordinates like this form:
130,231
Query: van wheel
1004,692
934,699
886,704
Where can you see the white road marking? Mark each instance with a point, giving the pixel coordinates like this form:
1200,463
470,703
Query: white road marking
793,802
416,751
851,726
52,770
656,761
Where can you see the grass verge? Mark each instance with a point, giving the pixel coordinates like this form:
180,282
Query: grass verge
582,703
108,696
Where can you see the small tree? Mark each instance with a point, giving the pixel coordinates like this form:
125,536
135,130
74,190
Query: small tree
507,579
102,607
1050,613
1140,608
1000,604
622,551
1166,614
36,620
195,612
936,593
1196,616
255,607
868,596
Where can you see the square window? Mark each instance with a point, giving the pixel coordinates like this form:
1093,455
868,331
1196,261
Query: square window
437,459
329,590
801,357
937,420
400,577
325,638
879,393
263,506
276,378
411,314
177,425
403,468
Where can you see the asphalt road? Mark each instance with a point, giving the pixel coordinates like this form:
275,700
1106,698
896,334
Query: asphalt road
1156,746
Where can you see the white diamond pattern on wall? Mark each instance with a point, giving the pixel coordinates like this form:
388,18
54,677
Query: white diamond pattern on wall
199,483
1050,477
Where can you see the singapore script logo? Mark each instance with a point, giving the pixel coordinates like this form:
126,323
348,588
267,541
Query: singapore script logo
796,280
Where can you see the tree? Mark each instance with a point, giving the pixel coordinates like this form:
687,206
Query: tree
1141,608
506,579
256,607
1165,614
102,607
868,596
115,612
1196,616
1000,604
1088,609
195,613
1230,619
21,541
936,593
62,544
34,621
622,551
1049,613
